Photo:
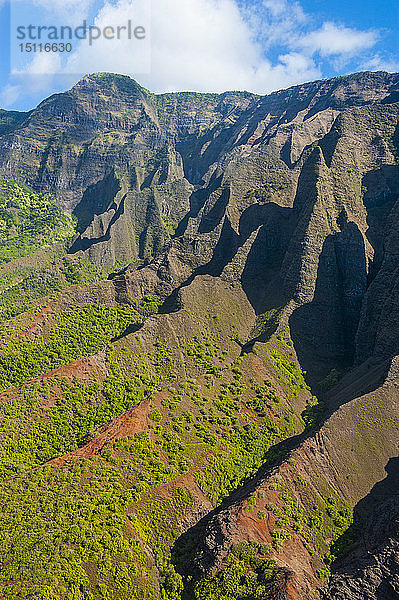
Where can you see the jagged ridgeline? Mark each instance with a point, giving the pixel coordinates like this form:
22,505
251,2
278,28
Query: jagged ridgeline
198,359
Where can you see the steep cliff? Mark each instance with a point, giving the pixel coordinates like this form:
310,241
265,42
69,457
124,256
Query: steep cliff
231,257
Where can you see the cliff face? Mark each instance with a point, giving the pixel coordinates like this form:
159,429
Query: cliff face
294,193
284,210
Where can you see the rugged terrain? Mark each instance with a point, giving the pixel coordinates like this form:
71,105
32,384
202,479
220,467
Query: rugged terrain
199,363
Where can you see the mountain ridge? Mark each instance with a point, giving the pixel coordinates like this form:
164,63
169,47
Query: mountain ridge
231,279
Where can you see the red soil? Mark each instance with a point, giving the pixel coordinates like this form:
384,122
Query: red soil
85,370
131,422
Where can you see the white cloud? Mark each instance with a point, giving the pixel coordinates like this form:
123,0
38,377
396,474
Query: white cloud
198,45
37,84
335,40
68,11
123,55
43,63
213,45
276,7
56,5
216,45
9,95
202,44
379,63
275,22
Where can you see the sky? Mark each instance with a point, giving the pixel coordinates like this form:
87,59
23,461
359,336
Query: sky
199,45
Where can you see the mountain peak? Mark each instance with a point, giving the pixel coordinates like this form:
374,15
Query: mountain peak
221,244
111,81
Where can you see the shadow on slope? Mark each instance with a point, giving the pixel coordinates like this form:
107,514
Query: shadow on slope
191,553
81,244
97,200
324,330
368,565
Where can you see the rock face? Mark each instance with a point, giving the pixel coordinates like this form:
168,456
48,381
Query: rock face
293,193
294,197
371,571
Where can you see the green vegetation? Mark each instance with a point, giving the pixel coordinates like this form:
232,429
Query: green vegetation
80,529
279,536
10,119
80,271
32,432
170,419
243,448
323,573
75,333
107,509
160,159
68,519
159,525
246,575
149,304
32,262
324,525
239,455
343,543
313,414
330,380
267,323
265,193
29,221
21,287
25,285
289,371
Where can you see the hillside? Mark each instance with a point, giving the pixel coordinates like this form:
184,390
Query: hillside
199,354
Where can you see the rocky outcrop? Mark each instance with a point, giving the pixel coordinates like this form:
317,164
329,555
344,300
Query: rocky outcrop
283,211
295,189
370,571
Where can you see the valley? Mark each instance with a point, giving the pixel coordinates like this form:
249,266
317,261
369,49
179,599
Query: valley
199,381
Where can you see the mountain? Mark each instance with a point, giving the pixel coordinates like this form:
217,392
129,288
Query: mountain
199,361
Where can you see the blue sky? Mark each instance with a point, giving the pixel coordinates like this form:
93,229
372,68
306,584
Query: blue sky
207,45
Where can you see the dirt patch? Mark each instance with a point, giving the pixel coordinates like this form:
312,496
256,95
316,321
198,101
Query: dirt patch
85,370
293,555
131,422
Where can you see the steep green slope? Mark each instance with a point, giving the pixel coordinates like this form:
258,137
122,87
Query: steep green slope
110,520
29,221
229,260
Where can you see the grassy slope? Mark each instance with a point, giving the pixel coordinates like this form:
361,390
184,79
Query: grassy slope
187,419
102,527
